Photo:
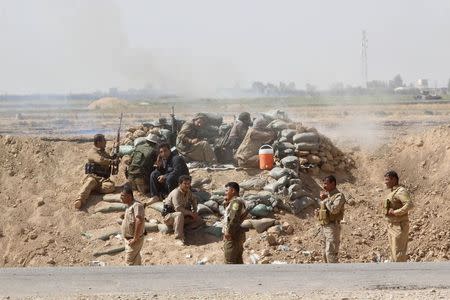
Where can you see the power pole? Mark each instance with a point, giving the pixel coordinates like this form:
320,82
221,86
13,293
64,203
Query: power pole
364,46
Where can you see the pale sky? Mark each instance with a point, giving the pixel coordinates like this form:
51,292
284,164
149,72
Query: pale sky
193,47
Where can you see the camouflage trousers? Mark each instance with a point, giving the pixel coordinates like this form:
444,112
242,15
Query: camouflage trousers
133,252
92,183
139,184
398,240
234,249
201,151
331,242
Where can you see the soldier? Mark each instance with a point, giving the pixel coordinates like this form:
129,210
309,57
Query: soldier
132,227
180,209
239,130
247,153
142,164
396,208
191,145
164,179
98,172
330,215
233,233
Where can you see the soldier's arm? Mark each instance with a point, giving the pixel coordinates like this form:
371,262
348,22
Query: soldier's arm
194,203
404,197
139,215
335,206
97,158
233,224
186,134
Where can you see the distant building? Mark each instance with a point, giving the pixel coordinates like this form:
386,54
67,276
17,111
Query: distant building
422,84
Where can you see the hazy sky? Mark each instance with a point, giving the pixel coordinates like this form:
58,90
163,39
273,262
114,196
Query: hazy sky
193,47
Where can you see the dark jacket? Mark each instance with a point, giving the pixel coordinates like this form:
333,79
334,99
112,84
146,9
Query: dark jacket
175,166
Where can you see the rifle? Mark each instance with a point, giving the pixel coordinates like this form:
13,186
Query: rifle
174,128
115,165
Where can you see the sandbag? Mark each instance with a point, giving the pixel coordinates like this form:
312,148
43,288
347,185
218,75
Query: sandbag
262,225
247,224
219,192
278,125
283,182
158,206
213,205
217,198
111,207
102,234
110,250
302,203
288,134
287,145
272,187
255,183
111,198
125,150
138,141
261,210
306,137
204,210
290,162
202,196
151,227
307,146
213,230
163,228
278,172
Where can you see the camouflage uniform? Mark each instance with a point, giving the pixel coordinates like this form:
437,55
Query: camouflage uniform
94,182
235,213
330,215
398,226
141,166
200,151
247,153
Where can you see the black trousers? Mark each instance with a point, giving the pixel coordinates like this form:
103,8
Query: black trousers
162,189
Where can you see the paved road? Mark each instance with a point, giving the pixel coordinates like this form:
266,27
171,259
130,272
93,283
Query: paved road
213,279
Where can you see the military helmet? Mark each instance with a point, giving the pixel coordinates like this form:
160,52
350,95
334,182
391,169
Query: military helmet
200,116
153,138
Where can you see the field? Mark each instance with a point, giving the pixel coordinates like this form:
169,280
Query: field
42,151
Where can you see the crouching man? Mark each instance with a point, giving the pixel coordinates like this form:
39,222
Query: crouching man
132,226
180,209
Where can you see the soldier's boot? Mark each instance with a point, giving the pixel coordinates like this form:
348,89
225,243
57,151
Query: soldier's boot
89,184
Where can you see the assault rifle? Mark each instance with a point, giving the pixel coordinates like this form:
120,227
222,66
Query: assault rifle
115,154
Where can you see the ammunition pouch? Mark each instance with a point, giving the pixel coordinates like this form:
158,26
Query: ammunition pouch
92,168
167,209
386,206
323,215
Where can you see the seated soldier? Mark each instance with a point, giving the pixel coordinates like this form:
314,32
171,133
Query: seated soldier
141,163
98,172
191,145
164,178
247,153
239,130
181,209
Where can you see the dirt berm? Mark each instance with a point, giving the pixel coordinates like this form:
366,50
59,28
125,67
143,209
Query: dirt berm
38,225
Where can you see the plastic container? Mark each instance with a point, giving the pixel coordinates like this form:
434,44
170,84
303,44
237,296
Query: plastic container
265,157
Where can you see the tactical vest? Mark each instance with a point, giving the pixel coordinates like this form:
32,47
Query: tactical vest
325,217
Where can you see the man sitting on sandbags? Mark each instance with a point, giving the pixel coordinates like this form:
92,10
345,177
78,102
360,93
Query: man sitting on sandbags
180,209
247,153
190,143
239,130
169,167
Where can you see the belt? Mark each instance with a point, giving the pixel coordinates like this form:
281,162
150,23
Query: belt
130,238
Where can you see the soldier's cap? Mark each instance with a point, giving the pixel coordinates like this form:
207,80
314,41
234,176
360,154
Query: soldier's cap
153,138
159,122
200,116
244,117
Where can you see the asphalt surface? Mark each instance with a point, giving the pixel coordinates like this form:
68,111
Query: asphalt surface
213,279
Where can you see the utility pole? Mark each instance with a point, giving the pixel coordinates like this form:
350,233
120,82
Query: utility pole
364,46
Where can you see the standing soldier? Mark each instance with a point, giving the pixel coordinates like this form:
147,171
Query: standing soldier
330,215
132,227
98,172
396,208
233,233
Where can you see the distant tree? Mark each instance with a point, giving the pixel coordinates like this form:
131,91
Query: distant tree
448,86
258,87
396,82
311,89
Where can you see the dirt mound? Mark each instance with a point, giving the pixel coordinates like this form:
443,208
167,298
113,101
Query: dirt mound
108,103
38,225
